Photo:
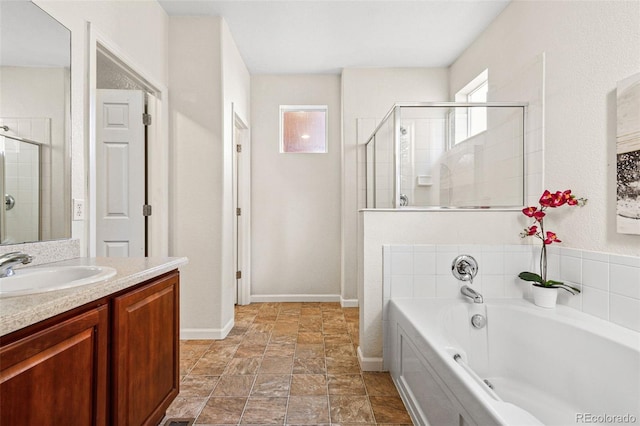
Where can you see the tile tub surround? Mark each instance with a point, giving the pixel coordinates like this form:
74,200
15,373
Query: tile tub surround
285,363
22,311
610,283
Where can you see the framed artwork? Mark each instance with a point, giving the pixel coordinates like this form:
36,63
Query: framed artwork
628,156
303,129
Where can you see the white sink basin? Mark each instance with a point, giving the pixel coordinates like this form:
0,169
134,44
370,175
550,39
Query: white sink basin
49,278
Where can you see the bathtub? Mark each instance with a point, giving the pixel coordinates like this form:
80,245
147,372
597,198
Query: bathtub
526,366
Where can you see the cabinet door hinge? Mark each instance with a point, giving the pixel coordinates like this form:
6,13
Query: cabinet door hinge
146,119
238,148
238,211
146,210
238,275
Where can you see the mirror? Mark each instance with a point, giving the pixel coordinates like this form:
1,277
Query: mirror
35,81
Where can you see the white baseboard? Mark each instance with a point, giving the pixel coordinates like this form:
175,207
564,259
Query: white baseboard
370,363
257,298
206,333
348,303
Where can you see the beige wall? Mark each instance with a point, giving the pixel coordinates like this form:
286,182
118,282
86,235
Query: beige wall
370,94
588,47
295,197
140,31
205,79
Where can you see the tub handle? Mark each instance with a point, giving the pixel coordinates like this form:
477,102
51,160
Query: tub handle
483,383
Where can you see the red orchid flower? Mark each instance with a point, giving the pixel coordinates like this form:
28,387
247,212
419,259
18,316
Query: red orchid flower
551,238
532,230
534,213
546,199
558,199
571,199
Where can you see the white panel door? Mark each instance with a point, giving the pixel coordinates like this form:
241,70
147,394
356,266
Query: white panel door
120,173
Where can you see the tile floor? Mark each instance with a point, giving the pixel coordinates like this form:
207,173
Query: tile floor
285,363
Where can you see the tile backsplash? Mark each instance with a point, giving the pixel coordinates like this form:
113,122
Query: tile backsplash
610,283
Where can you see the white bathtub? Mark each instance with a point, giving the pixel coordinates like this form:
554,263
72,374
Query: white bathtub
551,367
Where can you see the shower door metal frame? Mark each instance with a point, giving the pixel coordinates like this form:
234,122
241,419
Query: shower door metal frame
3,215
395,110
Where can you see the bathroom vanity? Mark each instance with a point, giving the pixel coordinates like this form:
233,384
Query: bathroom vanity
111,360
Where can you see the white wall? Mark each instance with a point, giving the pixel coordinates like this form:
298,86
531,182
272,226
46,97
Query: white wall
205,79
588,47
236,84
295,197
196,148
139,30
369,94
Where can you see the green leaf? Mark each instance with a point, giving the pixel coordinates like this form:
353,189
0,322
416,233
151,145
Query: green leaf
530,276
565,287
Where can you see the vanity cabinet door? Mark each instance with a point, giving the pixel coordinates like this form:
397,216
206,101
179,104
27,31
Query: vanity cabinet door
145,343
57,376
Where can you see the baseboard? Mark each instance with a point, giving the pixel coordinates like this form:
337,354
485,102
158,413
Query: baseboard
370,363
258,298
206,333
348,303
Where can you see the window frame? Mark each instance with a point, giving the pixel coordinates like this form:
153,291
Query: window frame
463,95
303,108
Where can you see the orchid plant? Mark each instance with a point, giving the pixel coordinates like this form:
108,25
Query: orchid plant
547,200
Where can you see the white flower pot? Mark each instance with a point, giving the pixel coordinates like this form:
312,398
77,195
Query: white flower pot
545,297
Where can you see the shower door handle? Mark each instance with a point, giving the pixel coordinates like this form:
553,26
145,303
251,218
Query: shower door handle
9,201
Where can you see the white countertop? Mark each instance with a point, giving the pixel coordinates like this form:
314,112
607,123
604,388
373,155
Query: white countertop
22,311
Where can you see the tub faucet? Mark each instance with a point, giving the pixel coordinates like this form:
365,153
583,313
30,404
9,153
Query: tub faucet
9,260
469,292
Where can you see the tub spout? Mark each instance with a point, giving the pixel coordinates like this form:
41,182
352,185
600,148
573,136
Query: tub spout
469,292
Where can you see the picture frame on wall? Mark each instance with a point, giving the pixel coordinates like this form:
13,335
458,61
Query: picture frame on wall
628,156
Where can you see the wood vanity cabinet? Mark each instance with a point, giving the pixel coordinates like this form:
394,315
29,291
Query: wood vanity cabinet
111,362
145,346
57,376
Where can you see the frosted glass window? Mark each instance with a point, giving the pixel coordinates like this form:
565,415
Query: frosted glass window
303,129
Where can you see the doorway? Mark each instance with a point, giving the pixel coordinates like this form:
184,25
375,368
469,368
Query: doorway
128,165
241,203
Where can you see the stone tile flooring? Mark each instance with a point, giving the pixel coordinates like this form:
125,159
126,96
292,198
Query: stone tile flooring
285,363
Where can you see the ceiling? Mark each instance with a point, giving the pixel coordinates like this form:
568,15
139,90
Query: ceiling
310,36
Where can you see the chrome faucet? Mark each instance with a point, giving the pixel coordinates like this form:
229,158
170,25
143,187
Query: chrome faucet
464,268
9,260
469,292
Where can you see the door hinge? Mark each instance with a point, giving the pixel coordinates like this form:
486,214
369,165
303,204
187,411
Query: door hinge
238,211
146,119
238,148
146,210
238,275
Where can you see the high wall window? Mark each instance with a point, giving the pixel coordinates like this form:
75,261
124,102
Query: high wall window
303,129
472,120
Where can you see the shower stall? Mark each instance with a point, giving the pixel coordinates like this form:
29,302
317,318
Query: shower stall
21,184
447,155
